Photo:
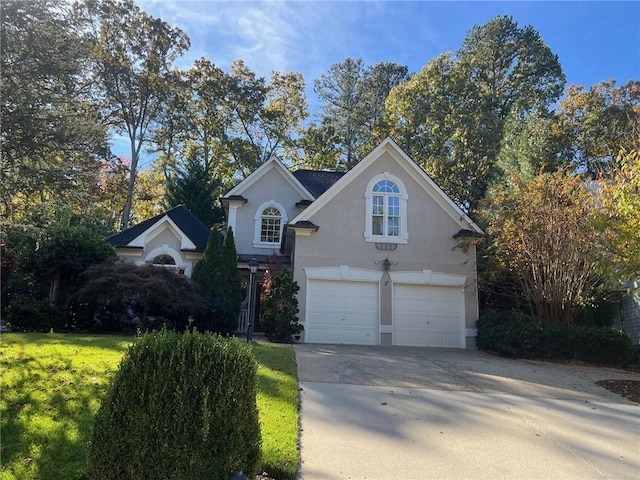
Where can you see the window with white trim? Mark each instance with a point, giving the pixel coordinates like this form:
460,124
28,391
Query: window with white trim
270,225
269,222
386,211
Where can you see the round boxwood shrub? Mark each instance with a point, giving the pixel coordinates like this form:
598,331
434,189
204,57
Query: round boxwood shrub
180,406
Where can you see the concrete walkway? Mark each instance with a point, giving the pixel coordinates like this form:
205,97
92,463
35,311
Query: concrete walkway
387,413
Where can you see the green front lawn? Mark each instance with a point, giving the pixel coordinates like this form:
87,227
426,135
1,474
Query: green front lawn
51,386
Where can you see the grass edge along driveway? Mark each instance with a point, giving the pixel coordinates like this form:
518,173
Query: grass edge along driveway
51,386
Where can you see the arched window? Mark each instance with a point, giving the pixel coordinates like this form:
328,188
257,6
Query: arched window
166,256
163,259
270,219
386,210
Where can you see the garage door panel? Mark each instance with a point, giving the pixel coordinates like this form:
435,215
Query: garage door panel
428,316
342,312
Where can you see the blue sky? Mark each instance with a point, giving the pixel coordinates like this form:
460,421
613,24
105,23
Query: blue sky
594,40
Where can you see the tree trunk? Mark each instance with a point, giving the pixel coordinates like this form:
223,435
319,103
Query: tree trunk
132,181
55,287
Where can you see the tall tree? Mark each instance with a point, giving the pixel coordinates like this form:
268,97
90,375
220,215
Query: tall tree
133,53
618,215
542,232
52,139
232,121
600,121
352,100
531,144
450,116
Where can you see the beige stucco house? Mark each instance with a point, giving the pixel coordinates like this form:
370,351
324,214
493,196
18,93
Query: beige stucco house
382,256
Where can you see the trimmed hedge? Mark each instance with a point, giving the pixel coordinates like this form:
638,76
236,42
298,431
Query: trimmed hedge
180,406
518,335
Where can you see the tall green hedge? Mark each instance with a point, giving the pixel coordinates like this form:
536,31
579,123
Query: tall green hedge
180,406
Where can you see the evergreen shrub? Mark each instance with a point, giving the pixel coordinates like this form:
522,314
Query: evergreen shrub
280,318
518,335
180,406
26,314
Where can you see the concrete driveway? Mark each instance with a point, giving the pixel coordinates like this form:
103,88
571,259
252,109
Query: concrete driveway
415,413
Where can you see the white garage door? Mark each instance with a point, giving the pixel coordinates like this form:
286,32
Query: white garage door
428,316
341,312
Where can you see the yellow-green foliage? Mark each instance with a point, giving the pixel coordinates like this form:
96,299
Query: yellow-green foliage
51,388
52,385
278,406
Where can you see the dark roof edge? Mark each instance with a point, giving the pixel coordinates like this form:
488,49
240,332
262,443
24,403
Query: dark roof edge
464,233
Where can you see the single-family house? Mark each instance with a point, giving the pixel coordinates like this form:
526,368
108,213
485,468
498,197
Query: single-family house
381,254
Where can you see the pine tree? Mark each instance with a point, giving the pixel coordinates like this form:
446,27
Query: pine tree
193,187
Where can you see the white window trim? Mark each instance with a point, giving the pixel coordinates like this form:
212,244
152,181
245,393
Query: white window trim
404,233
257,242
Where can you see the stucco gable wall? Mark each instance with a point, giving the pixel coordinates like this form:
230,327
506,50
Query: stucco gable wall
340,237
163,241
271,186
167,236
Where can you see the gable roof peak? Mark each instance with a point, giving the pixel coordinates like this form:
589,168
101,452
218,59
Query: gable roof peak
409,166
270,164
180,215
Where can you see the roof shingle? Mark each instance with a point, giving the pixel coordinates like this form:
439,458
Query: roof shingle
317,181
186,221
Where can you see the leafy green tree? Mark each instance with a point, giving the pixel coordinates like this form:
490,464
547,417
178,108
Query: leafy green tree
450,117
352,100
599,122
618,215
133,55
531,144
66,247
194,188
230,288
280,318
512,66
52,138
232,121
542,233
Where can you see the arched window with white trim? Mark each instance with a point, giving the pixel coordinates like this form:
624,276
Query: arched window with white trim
270,219
386,210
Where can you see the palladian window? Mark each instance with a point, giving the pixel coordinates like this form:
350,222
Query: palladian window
270,219
386,210
271,222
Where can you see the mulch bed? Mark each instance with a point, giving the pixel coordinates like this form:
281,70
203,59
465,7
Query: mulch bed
629,389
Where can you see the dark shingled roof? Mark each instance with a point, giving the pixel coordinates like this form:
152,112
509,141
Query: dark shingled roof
317,181
186,221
